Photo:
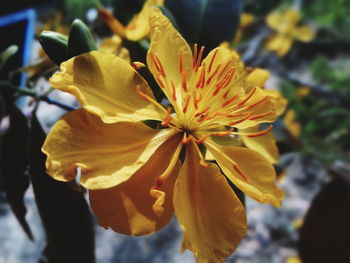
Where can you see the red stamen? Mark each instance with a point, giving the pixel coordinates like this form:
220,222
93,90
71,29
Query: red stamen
247,98
167,119
229,101
240,172
180,61
202,112
259,116
160,66
201,140
184,82
194,59
187,102
155,63
226,133
236,115
200,81
212,60
223,70
256,103
160,82
226,94
256,134
199,59
241,120
173,90
212,75
142,95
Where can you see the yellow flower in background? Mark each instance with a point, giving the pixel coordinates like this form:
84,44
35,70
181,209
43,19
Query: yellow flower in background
246,20
286,30
138,27
291,124
135,178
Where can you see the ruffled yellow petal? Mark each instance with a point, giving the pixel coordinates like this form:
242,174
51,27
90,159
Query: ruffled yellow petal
278,100
264,144
127,208
249,171
256,78
139,26
114,45
106,85
304,33
168,50
211,216
279,43
291,16
108,154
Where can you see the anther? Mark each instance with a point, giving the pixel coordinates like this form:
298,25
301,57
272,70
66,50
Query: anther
212,60
212,75
160,66
167,119
199,59
180,61
173,90
194,59
202,112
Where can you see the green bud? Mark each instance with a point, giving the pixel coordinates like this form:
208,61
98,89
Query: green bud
55,46
80,39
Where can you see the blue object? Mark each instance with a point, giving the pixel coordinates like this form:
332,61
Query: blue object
17,29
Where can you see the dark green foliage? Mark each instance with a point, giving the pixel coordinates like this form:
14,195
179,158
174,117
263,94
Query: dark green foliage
63,209
14,165
207,22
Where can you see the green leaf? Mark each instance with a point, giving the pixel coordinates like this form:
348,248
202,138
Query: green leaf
14,165
80,39
63,209
55,46
7,53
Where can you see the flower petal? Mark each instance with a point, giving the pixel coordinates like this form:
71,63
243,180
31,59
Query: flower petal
249,171
304,33
108,154
106,85
278,100
264,144
127,208
167,45
280,44
274,20
257,78
211,216
114,45
139,25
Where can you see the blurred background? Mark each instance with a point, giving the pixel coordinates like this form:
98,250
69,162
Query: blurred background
305,45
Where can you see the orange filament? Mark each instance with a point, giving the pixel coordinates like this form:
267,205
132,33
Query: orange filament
259,116
202,118
173,90
225,133
181,61
202,112
167,119
223,70
241,120
201,80
141,94
239,171
236,115
160,82
256,134
229,101
247,98
184,83
257,103
212,75
194,59
199,59
185,139
201,140
212,60
187,102
160,66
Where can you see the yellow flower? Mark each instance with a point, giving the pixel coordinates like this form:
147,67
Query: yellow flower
134,174
291,124
287,30
246,20
264,144
138,27
114,45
